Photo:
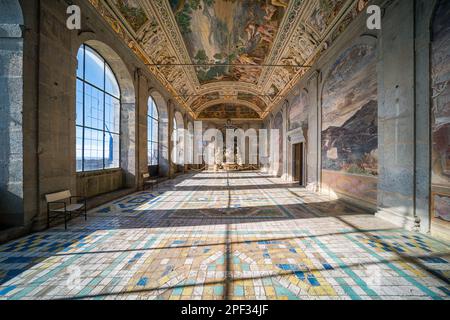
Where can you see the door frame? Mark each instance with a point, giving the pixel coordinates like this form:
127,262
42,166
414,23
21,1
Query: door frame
295,137
301,180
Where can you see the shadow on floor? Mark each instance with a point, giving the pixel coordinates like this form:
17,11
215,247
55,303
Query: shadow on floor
345,218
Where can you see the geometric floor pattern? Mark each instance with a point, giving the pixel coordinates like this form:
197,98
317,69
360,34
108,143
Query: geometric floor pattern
226,236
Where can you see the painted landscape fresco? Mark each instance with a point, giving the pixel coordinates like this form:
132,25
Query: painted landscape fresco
228,32
441,111
298,111
349,113
350,120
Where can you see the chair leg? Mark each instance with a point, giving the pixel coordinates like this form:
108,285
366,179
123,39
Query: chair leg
65,220
85,213
48,219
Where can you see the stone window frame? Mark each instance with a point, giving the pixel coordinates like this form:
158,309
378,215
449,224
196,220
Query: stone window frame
104,131
150,119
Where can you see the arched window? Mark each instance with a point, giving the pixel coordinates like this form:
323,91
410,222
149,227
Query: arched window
98,113
178,139
189,144
175,141
152,133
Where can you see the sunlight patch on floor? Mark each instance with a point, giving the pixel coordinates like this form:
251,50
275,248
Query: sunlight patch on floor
184,241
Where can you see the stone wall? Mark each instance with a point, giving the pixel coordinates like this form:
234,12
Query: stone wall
400,192
91,184
396,115
11,110
45,147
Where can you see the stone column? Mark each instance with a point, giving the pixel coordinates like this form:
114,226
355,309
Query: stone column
271,169
56,107
128,144
171,113
314,134
185,124
422,121
142,123
284,110
396,119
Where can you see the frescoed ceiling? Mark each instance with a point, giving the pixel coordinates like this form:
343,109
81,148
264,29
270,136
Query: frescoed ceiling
225,53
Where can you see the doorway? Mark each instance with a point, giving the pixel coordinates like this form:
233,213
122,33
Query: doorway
298,163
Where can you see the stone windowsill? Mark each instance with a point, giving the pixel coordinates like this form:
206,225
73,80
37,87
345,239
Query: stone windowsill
97,173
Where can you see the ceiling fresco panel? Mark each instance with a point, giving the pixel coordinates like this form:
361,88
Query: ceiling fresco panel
226,111
323,13
133,13
228,32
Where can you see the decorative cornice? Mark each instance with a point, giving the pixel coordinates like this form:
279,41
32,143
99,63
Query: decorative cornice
284,35
164,14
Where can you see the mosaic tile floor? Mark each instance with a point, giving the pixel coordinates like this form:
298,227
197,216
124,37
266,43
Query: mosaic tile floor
226,236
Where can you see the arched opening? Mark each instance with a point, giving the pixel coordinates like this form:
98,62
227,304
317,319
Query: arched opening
277,153
264,147
189,144
153,137
105,121
178,141
163,133
98,113
350,124
440,123
11,120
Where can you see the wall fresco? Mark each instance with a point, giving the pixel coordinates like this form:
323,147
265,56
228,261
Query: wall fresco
440,122
350,120
353,186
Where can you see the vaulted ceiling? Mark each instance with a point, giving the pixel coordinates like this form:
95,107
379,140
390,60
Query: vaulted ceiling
225,56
